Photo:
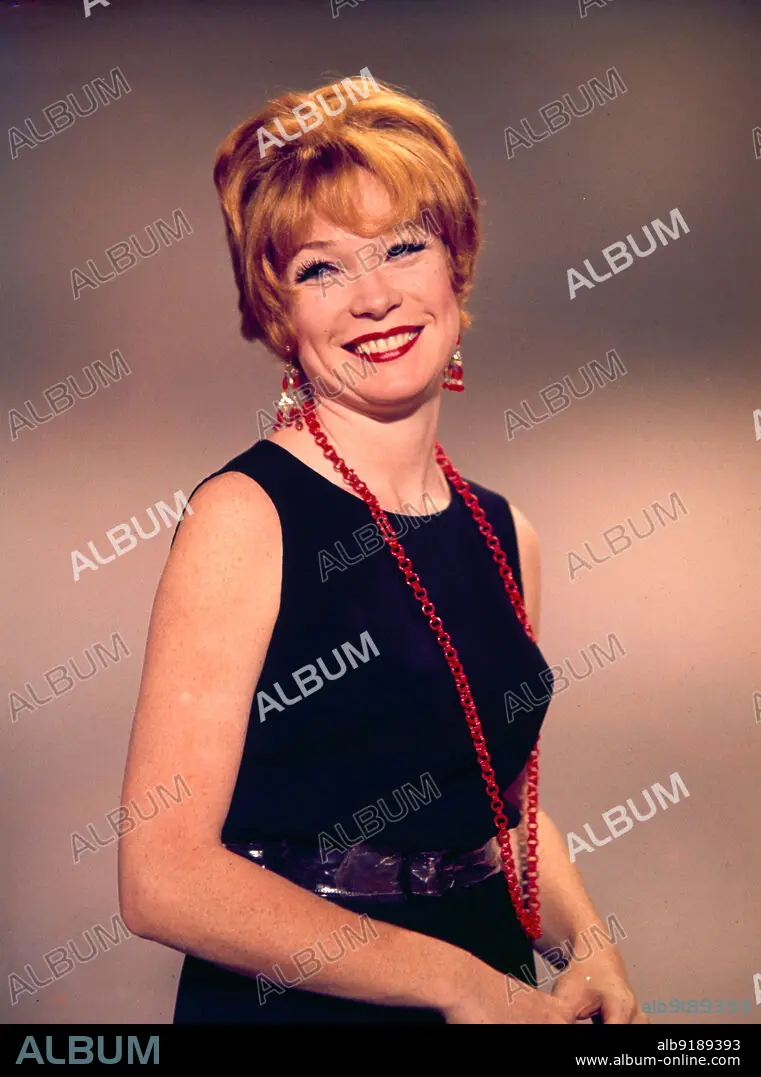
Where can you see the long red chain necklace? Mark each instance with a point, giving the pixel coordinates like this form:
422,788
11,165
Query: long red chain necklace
527,914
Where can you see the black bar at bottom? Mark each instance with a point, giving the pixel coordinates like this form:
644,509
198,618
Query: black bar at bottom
668,1046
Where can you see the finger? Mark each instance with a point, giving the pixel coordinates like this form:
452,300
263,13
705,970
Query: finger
635,1014
616,1012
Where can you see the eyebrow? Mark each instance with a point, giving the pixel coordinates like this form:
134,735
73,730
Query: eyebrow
317,244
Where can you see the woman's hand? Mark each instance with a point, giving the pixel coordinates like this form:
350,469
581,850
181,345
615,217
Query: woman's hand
494,999
598,985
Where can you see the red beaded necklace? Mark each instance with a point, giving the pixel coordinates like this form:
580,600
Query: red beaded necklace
528,914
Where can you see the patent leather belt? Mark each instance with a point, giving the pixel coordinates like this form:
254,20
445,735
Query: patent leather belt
364,871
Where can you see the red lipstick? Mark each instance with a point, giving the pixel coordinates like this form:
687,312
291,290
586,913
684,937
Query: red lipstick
391,353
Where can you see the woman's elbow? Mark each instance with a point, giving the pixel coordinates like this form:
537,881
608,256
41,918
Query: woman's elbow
134,918
143,897
139,910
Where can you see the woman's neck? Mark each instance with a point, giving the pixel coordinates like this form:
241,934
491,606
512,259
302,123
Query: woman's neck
394,458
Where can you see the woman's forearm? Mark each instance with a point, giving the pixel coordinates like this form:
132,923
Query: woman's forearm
566,908
221,908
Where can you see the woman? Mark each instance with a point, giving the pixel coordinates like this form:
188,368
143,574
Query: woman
334,698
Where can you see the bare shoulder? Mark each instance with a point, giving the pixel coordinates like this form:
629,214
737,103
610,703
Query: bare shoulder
230,519
224,570
231,500
529,553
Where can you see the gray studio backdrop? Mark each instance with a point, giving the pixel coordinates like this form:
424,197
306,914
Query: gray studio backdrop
612,394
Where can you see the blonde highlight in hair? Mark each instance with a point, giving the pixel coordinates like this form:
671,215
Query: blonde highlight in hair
269,191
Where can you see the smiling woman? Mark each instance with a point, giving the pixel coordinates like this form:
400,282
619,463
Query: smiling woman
270,203
323,317
238,879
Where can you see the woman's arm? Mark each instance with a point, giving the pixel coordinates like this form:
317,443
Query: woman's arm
210,628
567,910
598,982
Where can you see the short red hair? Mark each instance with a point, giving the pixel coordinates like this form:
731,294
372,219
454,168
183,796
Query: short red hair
269,187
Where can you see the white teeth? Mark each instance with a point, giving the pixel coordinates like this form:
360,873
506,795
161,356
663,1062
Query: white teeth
386,344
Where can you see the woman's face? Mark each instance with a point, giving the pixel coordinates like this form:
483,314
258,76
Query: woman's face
383,308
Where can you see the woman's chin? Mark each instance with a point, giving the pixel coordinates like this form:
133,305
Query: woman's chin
396,404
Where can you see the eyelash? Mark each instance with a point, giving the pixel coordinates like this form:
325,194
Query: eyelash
314,267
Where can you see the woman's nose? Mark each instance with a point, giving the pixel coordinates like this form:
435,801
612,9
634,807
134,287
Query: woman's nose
373,293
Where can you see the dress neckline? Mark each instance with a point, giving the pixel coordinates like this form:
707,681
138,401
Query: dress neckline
355,497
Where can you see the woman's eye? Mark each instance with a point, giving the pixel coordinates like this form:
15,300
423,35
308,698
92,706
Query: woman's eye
314,271
317,271
401,249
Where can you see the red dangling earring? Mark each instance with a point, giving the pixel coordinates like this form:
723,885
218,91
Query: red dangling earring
289,409
453,373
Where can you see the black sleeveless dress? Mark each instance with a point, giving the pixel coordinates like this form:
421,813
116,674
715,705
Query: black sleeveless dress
356,706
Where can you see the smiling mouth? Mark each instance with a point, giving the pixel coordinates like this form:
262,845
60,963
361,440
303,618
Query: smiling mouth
380,348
